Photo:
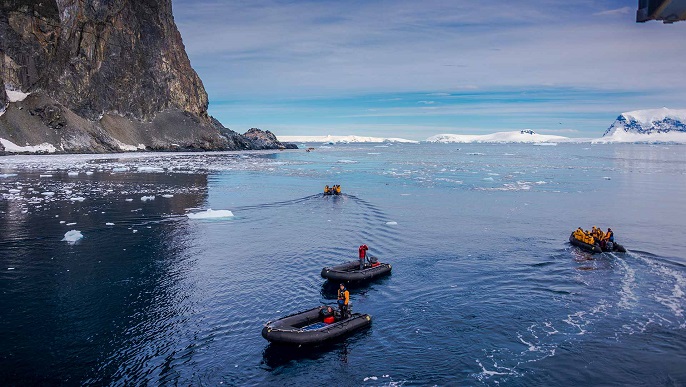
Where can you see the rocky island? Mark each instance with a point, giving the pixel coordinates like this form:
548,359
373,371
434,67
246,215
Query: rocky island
95,77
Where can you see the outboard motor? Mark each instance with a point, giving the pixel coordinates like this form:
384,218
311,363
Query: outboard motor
373,259
609,246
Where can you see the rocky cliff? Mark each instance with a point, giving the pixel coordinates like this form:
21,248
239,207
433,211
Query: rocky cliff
102,76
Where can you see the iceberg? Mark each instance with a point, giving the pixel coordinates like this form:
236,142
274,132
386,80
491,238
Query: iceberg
210,214
72,236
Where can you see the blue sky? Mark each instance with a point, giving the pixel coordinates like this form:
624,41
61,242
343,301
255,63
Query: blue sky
415,69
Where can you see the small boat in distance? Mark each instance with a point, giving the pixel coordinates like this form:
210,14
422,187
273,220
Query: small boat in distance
350,271
333,190
314,326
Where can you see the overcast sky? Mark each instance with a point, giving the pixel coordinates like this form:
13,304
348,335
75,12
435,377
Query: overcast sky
417,68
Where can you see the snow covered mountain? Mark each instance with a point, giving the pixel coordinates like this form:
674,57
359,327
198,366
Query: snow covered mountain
523,136
649,125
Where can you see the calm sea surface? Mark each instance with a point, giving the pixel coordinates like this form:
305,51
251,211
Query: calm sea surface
485,288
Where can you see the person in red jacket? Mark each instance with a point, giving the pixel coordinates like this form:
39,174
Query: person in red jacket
363,255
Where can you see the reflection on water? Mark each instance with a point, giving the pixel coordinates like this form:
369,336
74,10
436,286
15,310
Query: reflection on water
115,290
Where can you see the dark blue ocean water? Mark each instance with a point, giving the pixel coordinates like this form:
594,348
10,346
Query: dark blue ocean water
485,289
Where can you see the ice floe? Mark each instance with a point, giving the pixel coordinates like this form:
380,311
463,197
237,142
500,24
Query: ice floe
72,236
147,198
210,214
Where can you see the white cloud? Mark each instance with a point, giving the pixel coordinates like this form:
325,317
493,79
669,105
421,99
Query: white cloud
617,11
262,50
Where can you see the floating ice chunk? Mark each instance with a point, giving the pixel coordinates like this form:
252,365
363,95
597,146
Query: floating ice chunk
62,222
607,178
120,169
48,193
370,378
109,224
46,175
211,214
89,173
10,268
147,198
72,236
135,231
77,199
488,178
6,175
150,169
14,190
167,196
540,182
72,173
347,161
71,224
129,200
391,223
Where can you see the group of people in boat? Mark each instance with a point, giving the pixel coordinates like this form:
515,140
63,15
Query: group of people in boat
594,237
333,190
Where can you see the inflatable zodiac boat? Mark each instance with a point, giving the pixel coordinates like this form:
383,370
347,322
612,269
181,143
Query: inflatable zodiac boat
333,190
596,248
314,326
350,271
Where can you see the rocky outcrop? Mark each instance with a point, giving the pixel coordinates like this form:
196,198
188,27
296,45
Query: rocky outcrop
103,76
266,140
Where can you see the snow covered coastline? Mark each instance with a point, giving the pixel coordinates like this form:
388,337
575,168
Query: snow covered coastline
523,136
342,139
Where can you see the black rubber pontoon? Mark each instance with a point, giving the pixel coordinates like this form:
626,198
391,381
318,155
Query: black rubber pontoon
616,247
308,327
350,272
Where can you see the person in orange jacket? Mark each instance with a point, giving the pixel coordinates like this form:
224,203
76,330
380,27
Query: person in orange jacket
343,300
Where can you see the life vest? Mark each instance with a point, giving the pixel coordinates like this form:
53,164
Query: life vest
343,296
610,236
338,189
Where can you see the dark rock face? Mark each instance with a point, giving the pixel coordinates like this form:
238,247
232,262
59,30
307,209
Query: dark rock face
104,76
266,140
3,96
